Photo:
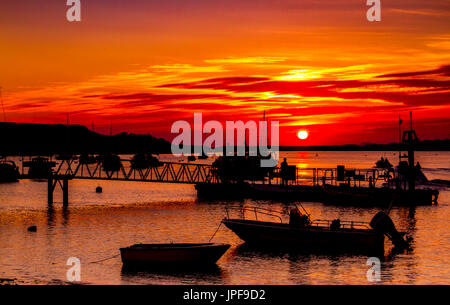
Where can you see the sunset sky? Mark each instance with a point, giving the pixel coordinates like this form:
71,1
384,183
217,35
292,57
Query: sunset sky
318,65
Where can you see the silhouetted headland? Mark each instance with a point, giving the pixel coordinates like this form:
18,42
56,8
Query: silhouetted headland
43,139
32,139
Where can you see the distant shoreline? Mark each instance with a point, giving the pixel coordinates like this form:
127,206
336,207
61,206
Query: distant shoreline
428,145
45,139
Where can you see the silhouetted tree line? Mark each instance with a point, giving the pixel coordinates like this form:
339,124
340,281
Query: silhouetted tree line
45,139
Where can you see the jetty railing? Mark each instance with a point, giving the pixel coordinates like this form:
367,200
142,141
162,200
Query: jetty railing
194,172
347,224
332,176
169,172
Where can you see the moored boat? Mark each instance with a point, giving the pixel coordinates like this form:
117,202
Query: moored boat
39,167
9,172
142,161
302,233
191,158
174,254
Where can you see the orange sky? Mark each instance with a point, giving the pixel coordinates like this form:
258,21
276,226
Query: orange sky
313,65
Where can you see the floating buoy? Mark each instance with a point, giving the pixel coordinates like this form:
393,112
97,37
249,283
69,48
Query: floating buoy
32,229
98,189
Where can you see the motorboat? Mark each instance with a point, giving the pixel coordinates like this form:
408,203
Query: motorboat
144,160
383,163
39,167
203,156
191,158
302,233
9,172
173,254
111,163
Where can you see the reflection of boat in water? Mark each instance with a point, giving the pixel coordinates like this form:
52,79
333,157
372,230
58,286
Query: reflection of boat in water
208,273
9,172
176,254
39,167
303,233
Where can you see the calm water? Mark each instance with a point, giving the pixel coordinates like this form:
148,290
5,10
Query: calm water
95,226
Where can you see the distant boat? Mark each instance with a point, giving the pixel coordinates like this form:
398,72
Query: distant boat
64,157
241,168
304,234
144,160
175,254
87,159
111,163
191,158
203,156
383,163
39,167
9,172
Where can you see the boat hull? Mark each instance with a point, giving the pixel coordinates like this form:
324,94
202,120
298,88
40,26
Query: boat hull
8,172
279,235
381,197
329,194
216,191
173,254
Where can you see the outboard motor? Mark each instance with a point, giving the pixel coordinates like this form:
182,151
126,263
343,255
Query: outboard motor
382,223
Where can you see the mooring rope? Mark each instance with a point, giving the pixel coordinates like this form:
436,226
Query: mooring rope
388,210
215,232
105,259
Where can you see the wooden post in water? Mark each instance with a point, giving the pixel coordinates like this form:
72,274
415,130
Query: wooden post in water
65,190
50,189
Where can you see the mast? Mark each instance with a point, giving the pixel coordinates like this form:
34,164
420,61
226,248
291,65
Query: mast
410,139
3,107
67,132
410,117
399,138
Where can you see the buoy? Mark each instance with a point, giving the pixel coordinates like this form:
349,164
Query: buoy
32,229
98,189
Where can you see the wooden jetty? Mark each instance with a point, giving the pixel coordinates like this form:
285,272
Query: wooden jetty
342,186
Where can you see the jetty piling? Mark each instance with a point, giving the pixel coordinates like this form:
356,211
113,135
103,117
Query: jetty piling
63,182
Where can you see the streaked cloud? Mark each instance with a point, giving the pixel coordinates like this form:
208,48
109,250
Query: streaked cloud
248,60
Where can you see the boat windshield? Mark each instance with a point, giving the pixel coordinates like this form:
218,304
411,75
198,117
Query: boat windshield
269,215
254,211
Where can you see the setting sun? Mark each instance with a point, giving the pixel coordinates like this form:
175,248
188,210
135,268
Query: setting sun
302,134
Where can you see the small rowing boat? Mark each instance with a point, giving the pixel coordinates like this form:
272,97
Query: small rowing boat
173,254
